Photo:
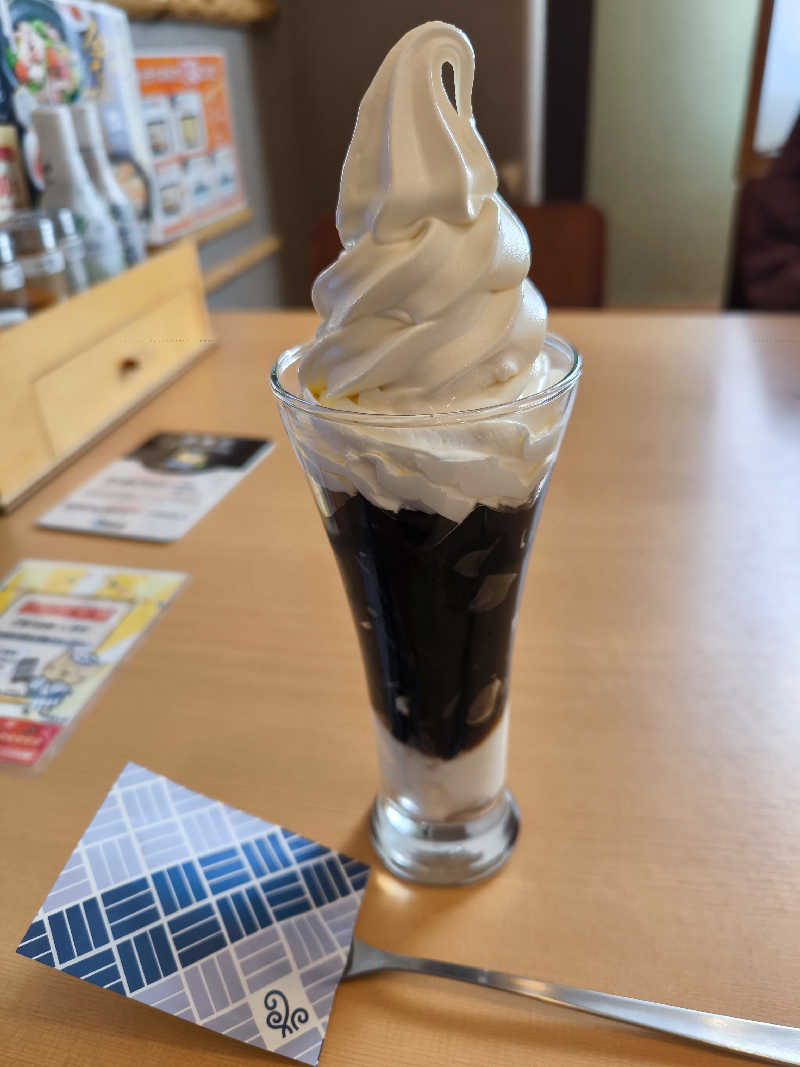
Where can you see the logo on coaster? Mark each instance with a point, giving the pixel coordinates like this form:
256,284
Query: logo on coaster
281,1016
285,1016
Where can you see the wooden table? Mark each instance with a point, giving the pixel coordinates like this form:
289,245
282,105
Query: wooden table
655,732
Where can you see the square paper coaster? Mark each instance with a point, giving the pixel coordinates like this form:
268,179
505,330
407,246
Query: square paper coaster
205,912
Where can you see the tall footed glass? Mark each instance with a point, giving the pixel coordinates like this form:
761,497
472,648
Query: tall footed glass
431,519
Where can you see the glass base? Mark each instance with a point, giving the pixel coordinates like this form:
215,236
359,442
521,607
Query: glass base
444,853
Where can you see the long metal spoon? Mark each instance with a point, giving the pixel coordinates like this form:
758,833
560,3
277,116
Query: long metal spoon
765,1041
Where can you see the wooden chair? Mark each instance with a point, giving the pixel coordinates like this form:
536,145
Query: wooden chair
567,252
567,242
325,244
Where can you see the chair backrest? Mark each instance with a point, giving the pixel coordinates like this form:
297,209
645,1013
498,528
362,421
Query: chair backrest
325,244
567,251
567,242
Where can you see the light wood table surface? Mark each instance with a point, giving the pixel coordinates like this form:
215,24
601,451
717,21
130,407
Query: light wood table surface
655,724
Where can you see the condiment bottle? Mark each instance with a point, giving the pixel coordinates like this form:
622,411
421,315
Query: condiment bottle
67,184
13,303
41,259
72,246
93,150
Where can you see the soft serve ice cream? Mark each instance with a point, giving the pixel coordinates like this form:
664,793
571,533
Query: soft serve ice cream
429,308
429,320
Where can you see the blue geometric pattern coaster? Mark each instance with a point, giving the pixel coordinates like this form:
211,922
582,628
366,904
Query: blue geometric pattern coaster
204,912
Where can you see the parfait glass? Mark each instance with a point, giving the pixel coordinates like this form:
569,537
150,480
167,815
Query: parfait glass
434,596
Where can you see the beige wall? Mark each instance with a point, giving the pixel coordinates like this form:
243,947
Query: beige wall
668,86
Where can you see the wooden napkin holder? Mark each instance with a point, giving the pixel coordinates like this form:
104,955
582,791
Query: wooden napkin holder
71,372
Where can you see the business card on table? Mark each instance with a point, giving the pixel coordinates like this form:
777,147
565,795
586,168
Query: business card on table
159,492
63,629
205,912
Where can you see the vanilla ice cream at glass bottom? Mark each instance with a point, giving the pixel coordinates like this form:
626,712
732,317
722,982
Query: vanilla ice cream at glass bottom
427,413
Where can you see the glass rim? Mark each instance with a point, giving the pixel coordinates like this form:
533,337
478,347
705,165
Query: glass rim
508,407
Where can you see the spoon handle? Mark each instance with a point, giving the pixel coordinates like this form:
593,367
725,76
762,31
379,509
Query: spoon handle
765,1041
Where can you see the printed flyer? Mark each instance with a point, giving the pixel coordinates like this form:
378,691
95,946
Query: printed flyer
63,629
185,102
159,491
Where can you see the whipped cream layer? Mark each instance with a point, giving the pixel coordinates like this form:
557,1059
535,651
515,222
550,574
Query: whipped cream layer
446,469
428,309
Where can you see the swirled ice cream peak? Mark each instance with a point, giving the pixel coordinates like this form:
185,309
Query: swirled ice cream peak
414,156
429,307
